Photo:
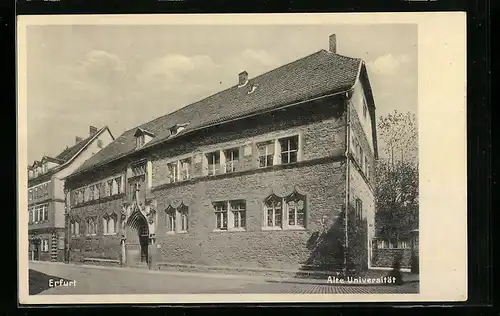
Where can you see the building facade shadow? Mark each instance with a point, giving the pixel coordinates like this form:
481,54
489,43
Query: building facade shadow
39,282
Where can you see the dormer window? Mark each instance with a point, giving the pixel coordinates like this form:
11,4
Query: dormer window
142,137
177,128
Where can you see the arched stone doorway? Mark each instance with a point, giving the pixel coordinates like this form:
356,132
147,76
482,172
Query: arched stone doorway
136,243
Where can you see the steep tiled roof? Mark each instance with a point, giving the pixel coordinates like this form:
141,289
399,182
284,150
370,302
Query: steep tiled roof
69,152
63,157
313,76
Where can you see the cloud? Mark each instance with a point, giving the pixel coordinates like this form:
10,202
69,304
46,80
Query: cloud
176,72
200,75
388,64
97,72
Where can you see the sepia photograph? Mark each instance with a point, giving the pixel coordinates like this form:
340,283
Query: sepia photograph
221,159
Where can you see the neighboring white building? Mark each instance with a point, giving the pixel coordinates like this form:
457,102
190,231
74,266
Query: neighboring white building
46,198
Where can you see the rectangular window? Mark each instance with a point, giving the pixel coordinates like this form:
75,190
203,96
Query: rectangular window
359,209
109,187
30,214
173,169
45,213
45,245
238,209
115,187
81,193
72,228
97,189
220,215
289,149
92,192
46,189
232,158
185,166
274,212
266,154
119,187
139,169
30,195
213,163
171,212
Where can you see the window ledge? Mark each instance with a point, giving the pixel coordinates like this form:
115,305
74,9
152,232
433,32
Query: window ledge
288,228
182,232
236,229
219,230
295,228
271,228
109,234
170,233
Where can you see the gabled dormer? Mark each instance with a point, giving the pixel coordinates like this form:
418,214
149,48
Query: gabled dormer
177,128
142,137
49,163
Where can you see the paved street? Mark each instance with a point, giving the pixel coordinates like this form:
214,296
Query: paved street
107,280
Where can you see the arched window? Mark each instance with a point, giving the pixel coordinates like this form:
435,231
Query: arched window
111,225
170,219
183,211
91,226
288,212
104,224
295,206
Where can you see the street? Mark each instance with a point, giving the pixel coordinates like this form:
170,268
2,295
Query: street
56,279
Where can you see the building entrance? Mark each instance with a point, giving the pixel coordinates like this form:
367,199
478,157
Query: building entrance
137,241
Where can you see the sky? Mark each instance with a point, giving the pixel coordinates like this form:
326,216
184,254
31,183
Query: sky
122,76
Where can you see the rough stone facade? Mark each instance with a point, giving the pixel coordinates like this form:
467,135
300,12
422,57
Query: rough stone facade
319,176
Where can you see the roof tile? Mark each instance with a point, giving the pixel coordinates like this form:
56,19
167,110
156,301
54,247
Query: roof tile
313,76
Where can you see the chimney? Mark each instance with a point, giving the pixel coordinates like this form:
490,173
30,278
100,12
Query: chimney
333,43
92,130
242,78
78,139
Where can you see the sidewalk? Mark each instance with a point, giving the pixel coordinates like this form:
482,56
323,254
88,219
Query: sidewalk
255,278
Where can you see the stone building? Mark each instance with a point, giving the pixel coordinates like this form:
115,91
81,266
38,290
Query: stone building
258,175
46,226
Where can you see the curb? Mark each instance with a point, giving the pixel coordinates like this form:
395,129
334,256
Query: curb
217,275
305,281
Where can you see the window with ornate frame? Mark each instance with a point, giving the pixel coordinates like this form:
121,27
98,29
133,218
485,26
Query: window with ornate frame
287,212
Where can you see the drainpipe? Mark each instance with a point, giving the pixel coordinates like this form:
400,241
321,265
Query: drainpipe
67,224
346,209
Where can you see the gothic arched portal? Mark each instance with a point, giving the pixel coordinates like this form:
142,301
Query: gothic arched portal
137,239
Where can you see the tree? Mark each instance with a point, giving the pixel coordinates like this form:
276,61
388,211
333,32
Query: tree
398,133
397,188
